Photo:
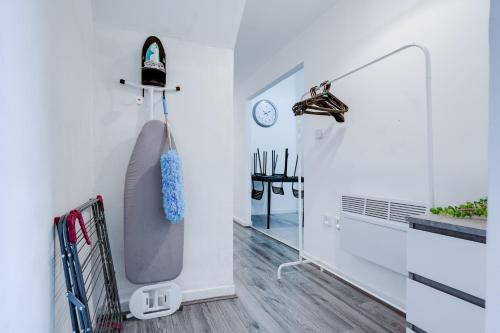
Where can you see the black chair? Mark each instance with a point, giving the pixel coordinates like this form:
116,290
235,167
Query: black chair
294,190
278,190
257,194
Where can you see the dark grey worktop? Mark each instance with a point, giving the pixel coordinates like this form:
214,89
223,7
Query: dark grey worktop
475,228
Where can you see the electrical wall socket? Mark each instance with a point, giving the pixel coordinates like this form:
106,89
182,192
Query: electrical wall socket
327,220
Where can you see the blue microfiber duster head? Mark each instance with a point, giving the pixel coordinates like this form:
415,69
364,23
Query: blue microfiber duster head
172,186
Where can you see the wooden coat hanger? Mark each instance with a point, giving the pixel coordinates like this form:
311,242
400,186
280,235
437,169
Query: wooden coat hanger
324,104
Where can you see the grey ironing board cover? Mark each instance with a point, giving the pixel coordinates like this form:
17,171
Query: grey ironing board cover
153,245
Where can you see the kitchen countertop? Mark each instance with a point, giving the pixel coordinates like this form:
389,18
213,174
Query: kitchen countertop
466,226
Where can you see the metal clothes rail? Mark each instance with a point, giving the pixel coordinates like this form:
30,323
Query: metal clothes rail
429,137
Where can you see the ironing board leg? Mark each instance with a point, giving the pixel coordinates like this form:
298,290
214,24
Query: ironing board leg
268,204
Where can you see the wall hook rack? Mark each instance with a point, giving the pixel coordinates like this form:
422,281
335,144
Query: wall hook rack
151,90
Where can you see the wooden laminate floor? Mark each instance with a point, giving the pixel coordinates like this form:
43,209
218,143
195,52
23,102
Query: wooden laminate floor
305,300
283,227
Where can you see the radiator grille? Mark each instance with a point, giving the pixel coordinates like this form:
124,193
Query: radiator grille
377,208
385,209
353,204
399,211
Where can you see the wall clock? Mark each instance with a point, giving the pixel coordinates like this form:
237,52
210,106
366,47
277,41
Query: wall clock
265,113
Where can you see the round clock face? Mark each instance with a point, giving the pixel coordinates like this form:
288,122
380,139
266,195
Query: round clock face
265,113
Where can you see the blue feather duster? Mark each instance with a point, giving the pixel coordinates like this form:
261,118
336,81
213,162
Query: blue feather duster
172,186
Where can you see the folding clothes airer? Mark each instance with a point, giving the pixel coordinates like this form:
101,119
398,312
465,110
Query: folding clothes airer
94,305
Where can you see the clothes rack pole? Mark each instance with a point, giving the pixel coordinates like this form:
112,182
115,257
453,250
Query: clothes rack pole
300,210
429,137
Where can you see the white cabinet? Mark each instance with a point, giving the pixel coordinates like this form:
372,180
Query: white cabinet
437,312
455,262
446,266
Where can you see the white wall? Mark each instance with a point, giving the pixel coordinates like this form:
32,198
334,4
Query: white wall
278,137
71,108
48,125
201,118
45,103
493,246
26,199
456,34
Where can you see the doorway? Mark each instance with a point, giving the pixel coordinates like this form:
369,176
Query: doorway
273,152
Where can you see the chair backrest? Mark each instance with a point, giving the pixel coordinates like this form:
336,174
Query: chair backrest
262,164
294,190
257,194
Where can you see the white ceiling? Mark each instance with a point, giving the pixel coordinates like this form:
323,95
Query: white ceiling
268,25
213,23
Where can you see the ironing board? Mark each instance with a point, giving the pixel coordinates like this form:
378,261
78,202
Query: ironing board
153,245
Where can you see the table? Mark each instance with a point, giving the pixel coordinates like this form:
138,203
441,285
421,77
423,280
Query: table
269,179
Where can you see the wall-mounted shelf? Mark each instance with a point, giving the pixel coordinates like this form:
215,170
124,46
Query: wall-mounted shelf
151,90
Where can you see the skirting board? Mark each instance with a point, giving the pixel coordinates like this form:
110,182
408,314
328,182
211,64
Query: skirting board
241,222
207,300
342,276
206,293
192,295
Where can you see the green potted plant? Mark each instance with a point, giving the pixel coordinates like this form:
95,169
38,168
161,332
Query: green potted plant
476,209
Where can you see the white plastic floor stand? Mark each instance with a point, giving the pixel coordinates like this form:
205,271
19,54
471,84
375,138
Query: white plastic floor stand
156,300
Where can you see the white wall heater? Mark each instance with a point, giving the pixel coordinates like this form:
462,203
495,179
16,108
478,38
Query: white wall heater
375,229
